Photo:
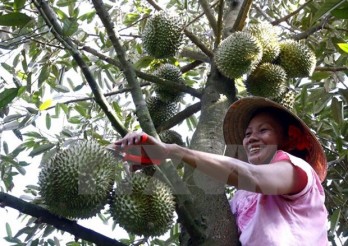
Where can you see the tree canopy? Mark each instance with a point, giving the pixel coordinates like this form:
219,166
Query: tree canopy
75,70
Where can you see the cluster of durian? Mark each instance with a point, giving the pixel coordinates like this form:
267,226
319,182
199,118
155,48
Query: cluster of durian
162,35
78,182
267,63
164,104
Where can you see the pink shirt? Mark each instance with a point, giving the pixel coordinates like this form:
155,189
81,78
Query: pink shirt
283,220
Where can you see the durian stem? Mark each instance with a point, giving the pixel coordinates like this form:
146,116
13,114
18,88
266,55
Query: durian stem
63,224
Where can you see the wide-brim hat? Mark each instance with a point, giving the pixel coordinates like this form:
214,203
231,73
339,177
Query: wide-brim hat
240,113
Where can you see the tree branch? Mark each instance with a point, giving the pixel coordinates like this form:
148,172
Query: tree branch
63,224
312,30
331,69
145,76
287,17
210,16
179,117
51,20
167,171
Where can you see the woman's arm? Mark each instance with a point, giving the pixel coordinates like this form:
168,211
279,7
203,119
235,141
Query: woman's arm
278,178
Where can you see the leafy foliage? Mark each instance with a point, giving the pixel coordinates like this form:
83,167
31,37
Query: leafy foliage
47,101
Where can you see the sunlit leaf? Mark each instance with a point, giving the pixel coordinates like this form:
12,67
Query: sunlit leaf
343,46
46,104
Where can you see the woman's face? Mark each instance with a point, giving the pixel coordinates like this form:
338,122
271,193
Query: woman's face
262,137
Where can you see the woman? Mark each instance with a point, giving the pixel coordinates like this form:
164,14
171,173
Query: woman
280,199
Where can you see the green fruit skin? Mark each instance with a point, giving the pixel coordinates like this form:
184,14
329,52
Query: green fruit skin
238,54
77,182
143,205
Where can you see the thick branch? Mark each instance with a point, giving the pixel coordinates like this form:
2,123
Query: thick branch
194,55
51,20
210,16
190,66
44,216
199,44
179,117
236,16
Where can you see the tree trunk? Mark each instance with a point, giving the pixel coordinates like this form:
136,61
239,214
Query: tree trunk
209,195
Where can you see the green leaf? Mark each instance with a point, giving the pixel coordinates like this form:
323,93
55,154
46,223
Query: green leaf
18,5
48,230
44,74
143,62
14,19
327,7
340,13
46,104
131,18
18,134
7,96
41,149
320,75
70,26
337,110
65,3
343,46
48,121
334,218
8,230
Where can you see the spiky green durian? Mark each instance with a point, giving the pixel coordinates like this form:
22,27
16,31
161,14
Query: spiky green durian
267,34
296,58
143,205
267,80
169,72
238,54
160,111
162,35
77,182
287,98
171,136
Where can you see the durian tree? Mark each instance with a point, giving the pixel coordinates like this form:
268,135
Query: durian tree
84,73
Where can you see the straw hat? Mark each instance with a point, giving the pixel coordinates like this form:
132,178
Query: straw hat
240,113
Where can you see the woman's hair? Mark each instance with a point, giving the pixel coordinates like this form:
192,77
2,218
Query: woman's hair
285,120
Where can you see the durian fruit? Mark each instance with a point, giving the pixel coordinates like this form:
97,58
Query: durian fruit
171,136
267,34
267,80
162,35
238,54
143,205
169,72
296,58
77,182
160,111
287,98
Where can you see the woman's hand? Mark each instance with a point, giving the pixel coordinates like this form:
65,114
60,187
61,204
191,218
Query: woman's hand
141,148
